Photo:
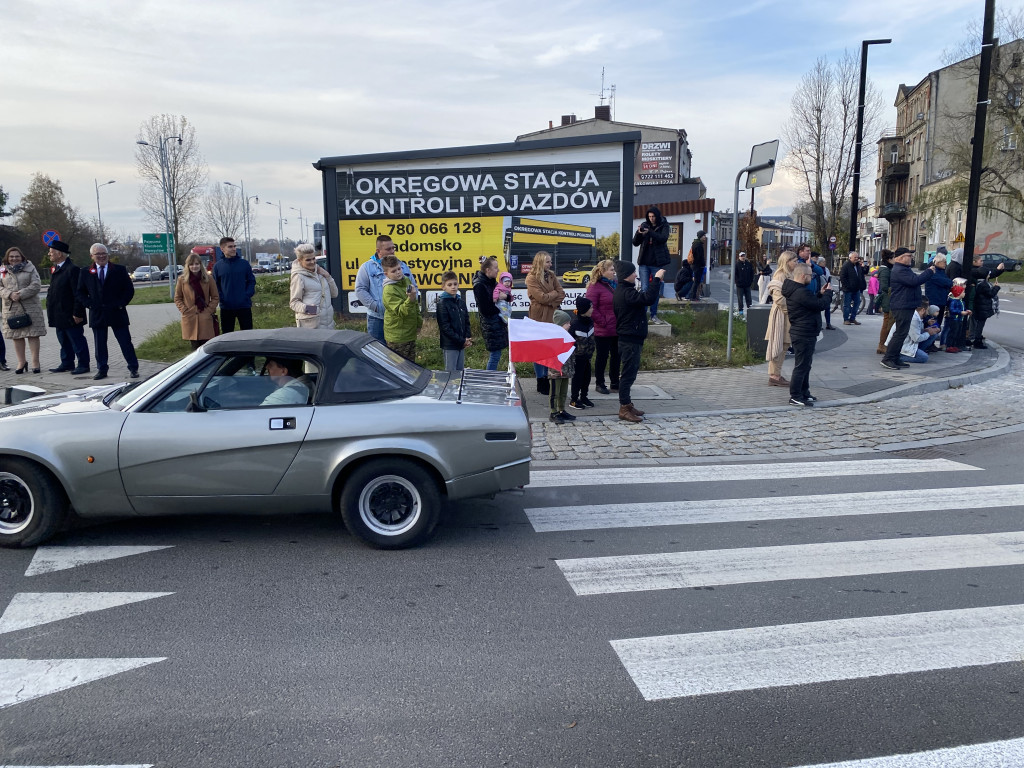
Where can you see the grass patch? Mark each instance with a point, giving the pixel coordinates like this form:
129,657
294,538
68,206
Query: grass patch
1012,277
152,294
698,339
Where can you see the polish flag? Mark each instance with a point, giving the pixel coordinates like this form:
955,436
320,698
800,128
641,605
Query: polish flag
546,344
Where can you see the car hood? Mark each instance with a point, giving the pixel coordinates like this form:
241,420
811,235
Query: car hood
85,400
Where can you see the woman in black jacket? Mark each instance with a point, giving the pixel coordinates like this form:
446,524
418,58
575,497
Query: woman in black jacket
493,327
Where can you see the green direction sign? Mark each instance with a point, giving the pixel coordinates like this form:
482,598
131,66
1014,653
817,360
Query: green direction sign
159,243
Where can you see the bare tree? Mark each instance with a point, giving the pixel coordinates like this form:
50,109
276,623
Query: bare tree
186,173
222,212
1009,25
819,138
1001,188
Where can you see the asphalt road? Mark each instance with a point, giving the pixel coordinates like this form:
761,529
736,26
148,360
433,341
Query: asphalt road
511,639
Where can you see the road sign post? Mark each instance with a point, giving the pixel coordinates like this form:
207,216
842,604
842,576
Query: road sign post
760,172
49,236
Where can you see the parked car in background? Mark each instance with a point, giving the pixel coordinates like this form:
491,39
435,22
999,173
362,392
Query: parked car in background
147,273
993,260
352,428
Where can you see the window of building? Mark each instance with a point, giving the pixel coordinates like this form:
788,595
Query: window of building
959,221
1008,142
1013,95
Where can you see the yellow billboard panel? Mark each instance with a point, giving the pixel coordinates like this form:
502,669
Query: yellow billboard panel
430,247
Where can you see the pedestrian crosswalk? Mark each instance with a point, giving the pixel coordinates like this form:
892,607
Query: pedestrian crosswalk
704,663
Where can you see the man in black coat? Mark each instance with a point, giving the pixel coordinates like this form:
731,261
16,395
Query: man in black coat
854,283
904,300
64,311
631,327
652,237
107,290
805,311
744,279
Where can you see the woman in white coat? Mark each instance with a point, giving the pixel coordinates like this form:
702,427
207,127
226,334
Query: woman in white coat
312,289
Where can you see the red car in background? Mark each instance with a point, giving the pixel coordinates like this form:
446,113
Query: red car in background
209,254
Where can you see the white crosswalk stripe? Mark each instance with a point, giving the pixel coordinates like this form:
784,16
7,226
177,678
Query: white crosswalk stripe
678,570
634,515
30,609
992,754
764,657
49,559
735,472
26,679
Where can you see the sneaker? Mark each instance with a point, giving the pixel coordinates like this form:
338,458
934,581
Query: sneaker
812,398
855,322
576,405
980,345
901,364
557,418
847,322
615,387
888,364
585,402
603,389
953,350
567,416
798,401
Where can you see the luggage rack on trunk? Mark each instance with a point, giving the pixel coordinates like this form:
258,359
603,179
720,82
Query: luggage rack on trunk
488,380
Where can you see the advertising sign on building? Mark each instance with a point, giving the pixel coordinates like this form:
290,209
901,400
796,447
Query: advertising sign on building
658,162
446,208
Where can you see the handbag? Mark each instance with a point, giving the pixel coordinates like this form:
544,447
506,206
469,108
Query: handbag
24,320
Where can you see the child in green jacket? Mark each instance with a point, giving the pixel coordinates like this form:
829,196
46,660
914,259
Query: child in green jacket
402,318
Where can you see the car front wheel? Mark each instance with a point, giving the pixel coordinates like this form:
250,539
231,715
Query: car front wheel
32,506
391,503
586,280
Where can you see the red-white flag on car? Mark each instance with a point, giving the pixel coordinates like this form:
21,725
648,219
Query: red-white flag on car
546,344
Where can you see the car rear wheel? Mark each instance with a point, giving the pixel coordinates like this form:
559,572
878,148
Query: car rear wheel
32,506
586,280
391,503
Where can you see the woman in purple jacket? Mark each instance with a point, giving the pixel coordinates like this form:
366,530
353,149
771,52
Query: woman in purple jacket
601,291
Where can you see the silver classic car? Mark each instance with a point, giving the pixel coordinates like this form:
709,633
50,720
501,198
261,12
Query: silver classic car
273,422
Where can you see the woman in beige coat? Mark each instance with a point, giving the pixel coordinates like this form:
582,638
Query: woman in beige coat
196,297
777,334
19,291
312,289
546,295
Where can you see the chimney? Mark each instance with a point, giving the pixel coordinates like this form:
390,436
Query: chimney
551,124
603,112
568,119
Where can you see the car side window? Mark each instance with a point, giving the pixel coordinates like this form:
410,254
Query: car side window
244,381
358,377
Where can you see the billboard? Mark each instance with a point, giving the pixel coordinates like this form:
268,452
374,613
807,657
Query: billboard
658,162
446,208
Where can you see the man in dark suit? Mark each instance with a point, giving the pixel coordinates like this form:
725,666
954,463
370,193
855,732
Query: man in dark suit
106,289
65,312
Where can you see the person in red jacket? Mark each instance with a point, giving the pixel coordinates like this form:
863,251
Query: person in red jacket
601,292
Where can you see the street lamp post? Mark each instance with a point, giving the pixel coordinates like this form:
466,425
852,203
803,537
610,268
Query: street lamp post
99,215
854,202
280,228
302,227
245,217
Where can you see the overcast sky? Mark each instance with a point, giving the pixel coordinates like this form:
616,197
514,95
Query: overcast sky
272,87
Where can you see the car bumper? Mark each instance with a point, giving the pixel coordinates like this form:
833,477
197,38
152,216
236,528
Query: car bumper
503,478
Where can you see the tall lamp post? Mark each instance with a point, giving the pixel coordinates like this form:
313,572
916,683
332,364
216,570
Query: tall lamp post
99,215
302,227
280,228
855,200
165,175
245,217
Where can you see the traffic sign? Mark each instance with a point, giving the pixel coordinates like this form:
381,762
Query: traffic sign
49,236
158,243
831,246
832,239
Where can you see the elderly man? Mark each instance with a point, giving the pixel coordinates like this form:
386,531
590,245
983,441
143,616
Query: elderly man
106,289
904,300
65,312
854,283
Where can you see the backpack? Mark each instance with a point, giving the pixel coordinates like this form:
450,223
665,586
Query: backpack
689,255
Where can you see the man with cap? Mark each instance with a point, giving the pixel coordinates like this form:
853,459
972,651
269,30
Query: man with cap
700,261
744,279
65,312
631,327
904,301
106,289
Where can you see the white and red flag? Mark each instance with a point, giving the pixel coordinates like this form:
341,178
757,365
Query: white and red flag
546,344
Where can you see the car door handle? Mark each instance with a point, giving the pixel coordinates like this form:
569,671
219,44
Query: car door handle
284,422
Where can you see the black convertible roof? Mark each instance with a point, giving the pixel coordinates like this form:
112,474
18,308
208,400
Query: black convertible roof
288,342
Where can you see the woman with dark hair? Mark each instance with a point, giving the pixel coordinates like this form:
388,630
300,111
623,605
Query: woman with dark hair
491,325
19,289
196,297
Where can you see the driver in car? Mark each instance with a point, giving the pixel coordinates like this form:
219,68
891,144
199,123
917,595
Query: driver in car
290,389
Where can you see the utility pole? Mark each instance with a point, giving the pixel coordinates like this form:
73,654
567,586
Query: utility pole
862,94
988,46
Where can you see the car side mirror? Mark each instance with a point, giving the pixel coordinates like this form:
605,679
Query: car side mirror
193,403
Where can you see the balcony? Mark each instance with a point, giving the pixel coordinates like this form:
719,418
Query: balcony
892,211
894,171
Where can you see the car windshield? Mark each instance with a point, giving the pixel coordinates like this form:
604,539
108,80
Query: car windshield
133,392
393,362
